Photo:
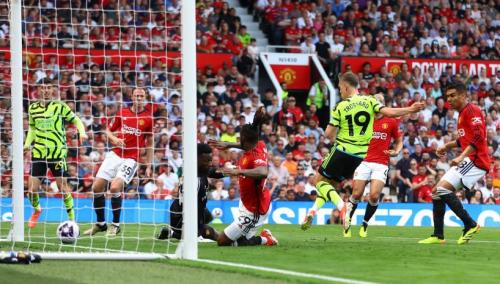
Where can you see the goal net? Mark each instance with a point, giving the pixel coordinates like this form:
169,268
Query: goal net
91,56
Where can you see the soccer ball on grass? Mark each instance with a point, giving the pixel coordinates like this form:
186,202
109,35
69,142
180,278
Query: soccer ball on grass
68,232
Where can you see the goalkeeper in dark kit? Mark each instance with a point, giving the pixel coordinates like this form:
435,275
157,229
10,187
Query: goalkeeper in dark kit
204,216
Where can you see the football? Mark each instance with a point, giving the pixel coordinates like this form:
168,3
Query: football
68,232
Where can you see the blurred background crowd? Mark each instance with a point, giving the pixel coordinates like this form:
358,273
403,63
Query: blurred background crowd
295,139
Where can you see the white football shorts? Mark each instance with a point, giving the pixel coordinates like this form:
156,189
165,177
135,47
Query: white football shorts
369,171
115,166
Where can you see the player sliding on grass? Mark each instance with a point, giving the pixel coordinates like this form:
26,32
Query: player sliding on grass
46,129
204,216
471,165
373,169
255,204
350,129
135,129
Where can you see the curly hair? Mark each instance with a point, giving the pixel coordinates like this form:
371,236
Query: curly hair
250,132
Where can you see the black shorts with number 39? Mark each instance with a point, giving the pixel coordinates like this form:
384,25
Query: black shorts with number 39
339,165
58,167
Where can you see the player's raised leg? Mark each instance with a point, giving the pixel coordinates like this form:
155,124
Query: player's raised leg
444,193
34,186
326,192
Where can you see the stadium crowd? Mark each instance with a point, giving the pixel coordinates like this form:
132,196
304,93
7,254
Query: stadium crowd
424,29
294,139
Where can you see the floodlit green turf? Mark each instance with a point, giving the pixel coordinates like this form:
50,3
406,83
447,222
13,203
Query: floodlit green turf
388,255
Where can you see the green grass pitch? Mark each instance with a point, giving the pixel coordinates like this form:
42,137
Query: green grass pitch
388,255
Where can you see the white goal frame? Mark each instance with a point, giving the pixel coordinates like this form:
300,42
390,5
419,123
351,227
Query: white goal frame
188,246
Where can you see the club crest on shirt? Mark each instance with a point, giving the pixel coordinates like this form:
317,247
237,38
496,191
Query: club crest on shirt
476,120
385,125
141,122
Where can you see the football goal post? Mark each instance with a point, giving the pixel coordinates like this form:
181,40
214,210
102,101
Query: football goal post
95,56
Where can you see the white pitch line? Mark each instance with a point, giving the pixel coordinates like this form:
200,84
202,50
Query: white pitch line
411,239
286,272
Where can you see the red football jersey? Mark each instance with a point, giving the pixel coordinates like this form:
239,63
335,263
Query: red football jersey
425,193
254,195
472,131
417,179
134,128
384,129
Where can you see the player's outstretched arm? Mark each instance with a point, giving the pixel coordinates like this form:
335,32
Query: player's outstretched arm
397,149
223,145
81,128
465,153
256,173
30,137
397,112
331,133
441,151
213,173
113,139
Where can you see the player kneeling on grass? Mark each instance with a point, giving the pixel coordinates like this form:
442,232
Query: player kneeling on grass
466,169
135,126
46,129
252,171
204,216
373,169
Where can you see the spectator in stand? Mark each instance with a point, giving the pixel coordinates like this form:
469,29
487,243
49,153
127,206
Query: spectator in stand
324,52
404,176
279,170
300,194
290,164
319,96
424,194
418,180
219,193
282,195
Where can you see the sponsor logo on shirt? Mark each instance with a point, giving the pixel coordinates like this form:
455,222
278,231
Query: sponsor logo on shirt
476,120
260,161
380,135
44,123
130,130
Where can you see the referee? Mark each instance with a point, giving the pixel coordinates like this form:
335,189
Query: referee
47,136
